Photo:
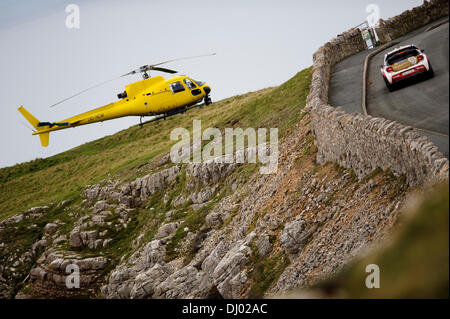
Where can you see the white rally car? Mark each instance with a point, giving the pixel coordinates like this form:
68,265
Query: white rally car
403,63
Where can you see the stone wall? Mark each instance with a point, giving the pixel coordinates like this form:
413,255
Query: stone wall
365,143
410,20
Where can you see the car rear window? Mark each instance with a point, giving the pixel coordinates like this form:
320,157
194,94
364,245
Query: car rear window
401,55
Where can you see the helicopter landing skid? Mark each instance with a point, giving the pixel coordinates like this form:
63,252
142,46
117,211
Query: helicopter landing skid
165,115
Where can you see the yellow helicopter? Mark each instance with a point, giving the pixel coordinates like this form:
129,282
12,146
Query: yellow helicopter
152,96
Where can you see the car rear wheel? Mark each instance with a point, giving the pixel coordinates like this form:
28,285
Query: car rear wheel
430,73
388,85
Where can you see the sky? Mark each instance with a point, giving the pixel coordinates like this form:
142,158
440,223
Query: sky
259,44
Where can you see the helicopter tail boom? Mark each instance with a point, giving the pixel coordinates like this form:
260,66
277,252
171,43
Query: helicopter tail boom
44,136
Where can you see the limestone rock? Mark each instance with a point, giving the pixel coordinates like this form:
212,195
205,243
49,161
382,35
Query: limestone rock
167,230
295,235
101,206
75,238
263,245
50,228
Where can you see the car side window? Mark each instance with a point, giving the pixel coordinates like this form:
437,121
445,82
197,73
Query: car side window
176,87
189,84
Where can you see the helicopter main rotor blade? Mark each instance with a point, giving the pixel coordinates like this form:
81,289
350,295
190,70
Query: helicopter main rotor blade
163,70
184,58
81,92
146,68
143,68
150,67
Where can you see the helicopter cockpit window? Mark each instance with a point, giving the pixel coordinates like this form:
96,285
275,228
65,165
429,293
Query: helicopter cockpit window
199,83
189,84
176,87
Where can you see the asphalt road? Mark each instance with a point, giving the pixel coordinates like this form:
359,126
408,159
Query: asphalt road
420,104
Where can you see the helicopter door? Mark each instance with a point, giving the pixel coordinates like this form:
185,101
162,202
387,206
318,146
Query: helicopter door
180,94
161,100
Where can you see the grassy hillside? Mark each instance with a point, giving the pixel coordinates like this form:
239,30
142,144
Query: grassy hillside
63,176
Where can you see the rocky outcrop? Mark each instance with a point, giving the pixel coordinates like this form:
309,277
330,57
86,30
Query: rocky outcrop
144,269
50,276
209,172
15,261
82,235
290,213
199,197
143,187
347,234
229,274
148,275
132,193
32,213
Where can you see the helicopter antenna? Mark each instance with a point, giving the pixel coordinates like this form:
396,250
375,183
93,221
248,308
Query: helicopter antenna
143,69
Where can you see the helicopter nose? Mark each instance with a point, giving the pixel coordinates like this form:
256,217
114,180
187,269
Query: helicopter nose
207,89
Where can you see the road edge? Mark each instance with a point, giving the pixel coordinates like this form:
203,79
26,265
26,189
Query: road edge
434,26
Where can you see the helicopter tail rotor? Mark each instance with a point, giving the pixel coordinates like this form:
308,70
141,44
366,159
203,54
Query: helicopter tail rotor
35,123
